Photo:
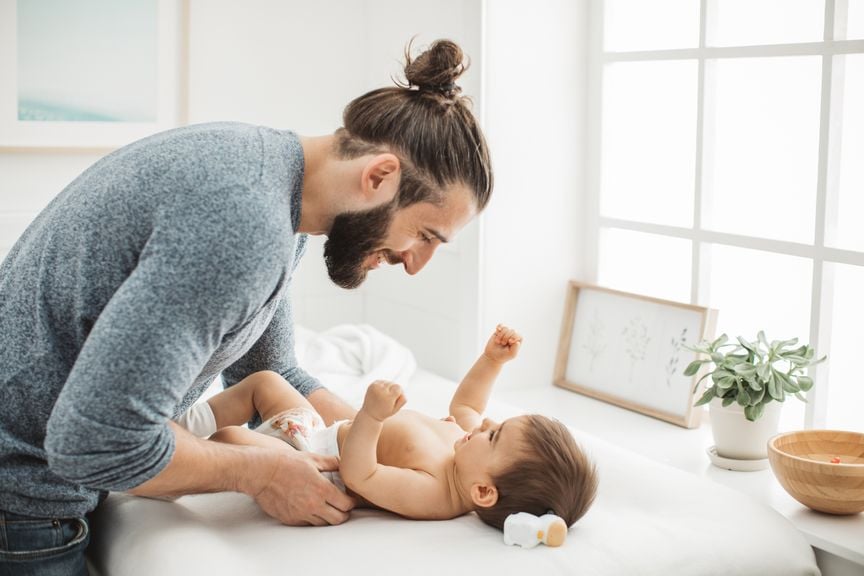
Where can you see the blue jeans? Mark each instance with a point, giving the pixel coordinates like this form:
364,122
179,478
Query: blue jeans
44,547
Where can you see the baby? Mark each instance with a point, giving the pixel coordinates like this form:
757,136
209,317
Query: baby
422,467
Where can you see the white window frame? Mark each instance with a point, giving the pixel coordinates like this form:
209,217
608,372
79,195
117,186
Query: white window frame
827,187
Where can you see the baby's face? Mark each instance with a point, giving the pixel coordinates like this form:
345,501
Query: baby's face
489,448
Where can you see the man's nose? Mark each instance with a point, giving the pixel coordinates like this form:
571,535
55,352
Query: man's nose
415,260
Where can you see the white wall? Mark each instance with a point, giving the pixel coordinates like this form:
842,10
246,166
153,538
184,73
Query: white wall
535,114
295,65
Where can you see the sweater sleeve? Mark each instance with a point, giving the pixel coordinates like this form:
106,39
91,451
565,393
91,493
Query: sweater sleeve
200,275
274,350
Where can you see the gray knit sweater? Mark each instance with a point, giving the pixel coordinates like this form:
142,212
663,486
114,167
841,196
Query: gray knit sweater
162,265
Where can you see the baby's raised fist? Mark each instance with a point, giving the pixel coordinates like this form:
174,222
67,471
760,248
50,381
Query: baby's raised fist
383,399
503,345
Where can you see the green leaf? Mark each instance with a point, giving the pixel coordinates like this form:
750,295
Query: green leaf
753,413
774,386
805,382
757,396
709,395
801,350
745,369
754,383
743,396
727,400
763,370
748,345
724,382
696,386
761,337
734,359
693,367
783,344
789,385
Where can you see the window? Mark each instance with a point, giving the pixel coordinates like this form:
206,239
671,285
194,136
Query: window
729,140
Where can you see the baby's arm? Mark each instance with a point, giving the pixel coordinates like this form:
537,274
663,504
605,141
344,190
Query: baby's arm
470,399
403,491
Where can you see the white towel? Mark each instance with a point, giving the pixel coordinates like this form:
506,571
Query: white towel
349,357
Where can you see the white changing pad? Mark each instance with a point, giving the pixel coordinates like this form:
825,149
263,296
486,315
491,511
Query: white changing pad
648,519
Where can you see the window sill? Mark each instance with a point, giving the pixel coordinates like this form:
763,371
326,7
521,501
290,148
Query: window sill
841,536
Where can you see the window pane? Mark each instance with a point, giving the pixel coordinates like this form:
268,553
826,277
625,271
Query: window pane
855,20
649,134
647,264
655,25
761,179
755,290
846,231
748,22
846,386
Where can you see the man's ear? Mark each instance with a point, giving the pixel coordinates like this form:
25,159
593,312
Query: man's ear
484,495
380,179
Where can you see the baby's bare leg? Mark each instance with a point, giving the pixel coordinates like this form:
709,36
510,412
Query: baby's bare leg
244,436
273,394
265,392
286,414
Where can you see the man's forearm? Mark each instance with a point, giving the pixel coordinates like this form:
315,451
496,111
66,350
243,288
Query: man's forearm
200,466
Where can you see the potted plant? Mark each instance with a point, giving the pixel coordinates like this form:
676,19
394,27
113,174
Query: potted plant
749,381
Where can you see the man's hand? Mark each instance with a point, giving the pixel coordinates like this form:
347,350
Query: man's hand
287,484
297,494
503,345
383,399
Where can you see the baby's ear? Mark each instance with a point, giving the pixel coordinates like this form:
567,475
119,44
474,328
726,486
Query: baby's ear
484,495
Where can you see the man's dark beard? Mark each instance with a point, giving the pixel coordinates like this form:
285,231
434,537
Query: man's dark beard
352,238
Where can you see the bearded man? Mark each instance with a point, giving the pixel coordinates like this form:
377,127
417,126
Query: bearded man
169,262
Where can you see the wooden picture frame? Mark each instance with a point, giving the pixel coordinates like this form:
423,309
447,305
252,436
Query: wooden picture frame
628,349
61,87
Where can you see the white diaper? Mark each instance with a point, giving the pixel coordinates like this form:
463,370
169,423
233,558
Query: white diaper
326,443
304,429
293,426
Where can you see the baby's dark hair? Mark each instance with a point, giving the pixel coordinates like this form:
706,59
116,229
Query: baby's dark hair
551,474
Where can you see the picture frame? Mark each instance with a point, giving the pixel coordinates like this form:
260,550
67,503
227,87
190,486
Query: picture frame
629,350
55,127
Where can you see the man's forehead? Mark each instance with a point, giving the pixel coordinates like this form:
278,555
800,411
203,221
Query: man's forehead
455,211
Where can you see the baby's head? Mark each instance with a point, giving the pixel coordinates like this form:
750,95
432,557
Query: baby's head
539,468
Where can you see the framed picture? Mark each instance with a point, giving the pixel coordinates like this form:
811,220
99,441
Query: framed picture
630,350
89,73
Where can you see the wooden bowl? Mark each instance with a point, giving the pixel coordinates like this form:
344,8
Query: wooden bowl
802,463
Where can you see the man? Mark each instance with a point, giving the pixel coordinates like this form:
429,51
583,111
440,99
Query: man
169,262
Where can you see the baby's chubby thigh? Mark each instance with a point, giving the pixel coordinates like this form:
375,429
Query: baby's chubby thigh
245,437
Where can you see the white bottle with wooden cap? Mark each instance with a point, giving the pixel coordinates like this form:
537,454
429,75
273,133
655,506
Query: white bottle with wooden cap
527,530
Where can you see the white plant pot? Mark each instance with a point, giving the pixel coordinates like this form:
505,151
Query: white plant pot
736,437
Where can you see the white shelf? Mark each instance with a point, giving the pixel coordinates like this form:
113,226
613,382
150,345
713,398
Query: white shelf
841,536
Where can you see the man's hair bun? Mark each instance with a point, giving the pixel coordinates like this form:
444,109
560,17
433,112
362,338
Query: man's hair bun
436,69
